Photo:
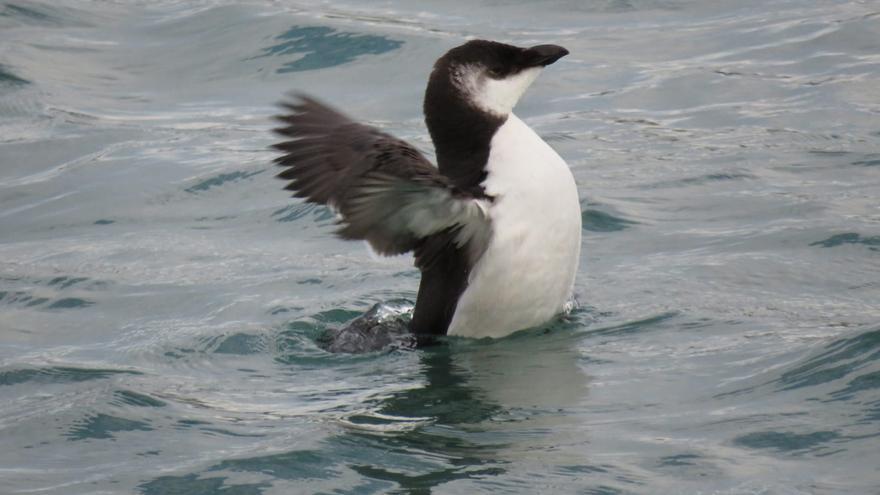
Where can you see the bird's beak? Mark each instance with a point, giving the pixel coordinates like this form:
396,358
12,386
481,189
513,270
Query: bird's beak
544,55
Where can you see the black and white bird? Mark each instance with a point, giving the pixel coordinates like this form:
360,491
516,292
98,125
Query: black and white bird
495,227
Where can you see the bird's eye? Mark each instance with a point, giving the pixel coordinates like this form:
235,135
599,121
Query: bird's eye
495,72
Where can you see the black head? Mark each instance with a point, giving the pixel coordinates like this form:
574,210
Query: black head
490,76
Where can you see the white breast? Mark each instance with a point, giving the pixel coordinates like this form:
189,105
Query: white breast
526,275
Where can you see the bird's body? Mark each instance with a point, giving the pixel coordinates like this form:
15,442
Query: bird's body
495,227
526,275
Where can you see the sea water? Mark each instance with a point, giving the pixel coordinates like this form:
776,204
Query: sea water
161,296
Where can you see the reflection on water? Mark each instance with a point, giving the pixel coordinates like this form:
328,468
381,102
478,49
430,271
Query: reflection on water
434,451
482,408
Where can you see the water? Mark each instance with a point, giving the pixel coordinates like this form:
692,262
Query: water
160,296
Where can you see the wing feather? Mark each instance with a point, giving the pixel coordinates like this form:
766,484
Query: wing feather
385,190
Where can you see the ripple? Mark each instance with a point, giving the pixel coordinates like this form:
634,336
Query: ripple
704,179
103,426
32,14
293,465
132,398
322,47
236,343
53,285
839,359
241,344
59,374
65,282
9,79
680,460
873,242
786,441
844,370
297,211
603,490
222,179
596,220
277,310
636,326
194,484
422,483
70,303
870,160
858,385
373,421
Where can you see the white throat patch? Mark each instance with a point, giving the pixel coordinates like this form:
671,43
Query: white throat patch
497,96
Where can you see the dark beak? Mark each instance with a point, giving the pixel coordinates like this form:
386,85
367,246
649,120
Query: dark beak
544,55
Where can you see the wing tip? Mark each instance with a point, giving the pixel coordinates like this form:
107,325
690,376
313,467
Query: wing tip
295,100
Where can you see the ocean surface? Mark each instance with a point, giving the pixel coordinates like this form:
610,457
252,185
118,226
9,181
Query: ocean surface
161,295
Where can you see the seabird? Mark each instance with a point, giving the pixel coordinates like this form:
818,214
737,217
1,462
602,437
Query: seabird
495,227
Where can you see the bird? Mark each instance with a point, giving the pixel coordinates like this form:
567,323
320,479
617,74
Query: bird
495,226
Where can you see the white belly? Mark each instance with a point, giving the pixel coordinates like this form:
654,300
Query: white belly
526,275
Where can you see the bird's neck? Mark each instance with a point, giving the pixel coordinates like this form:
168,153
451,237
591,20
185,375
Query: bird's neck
461,134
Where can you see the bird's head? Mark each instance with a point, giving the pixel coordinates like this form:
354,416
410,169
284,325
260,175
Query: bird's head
488,76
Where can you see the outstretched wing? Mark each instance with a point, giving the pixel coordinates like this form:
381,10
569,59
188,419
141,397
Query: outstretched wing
385,190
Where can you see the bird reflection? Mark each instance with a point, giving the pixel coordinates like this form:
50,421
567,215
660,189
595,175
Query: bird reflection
483,406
